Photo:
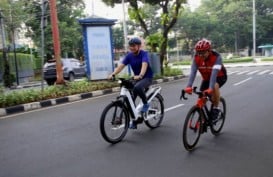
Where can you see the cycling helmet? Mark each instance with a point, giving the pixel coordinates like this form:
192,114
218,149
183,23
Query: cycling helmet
134,41
202,45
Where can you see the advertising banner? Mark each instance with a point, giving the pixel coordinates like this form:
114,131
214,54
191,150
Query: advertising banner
99,52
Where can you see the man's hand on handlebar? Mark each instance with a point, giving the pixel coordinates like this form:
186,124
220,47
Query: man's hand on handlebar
188,90
111,77
208,92
137,77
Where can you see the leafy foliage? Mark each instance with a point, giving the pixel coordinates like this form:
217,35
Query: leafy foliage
227,23
55,91
33,95
70,31
143,17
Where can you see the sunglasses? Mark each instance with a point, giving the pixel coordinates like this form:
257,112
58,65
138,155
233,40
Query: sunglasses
201,53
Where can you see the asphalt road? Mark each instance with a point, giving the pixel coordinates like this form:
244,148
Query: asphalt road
64,141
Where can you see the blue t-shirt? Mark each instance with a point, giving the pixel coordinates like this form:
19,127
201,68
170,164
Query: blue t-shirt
135,61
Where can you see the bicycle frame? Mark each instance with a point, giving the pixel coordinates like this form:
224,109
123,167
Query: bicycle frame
136,109
201,102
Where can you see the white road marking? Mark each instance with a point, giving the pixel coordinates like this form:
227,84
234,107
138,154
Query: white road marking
263,72
232,72
238,83
173,107
253,72
242,72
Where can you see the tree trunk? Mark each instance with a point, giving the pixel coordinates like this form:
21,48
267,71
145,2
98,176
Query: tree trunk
163,52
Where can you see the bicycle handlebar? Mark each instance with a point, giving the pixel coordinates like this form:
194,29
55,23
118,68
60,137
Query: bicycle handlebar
113,77
183,95
199,93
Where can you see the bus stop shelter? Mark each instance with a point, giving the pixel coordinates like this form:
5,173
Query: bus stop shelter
267,50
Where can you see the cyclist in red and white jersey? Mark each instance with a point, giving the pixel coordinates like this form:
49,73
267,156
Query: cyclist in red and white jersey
209,64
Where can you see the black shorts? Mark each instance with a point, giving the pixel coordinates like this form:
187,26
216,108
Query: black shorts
220,80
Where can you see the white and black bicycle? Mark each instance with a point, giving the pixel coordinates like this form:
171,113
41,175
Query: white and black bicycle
116,116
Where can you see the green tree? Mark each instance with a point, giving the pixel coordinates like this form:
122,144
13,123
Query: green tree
168,17
264,23
227,23
118,38
11,14
69,29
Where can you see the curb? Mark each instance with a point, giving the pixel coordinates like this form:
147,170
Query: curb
71,98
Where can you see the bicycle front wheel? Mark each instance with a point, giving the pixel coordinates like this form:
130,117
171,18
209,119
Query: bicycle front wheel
114,123
218,125
155,113
192,128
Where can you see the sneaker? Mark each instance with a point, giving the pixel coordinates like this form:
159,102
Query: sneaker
215,114
133,125
145,107
139,120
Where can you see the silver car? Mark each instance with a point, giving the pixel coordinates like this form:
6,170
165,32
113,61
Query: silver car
72,68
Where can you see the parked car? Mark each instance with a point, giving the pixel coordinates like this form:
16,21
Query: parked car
72,68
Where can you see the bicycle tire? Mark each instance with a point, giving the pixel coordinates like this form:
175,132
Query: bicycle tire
107,125
192,126
216,128
157,111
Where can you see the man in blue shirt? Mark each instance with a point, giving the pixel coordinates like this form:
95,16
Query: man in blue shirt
139,61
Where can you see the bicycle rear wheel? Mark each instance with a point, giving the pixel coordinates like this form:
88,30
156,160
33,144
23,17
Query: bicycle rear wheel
114,123
192,128
155,113
218,125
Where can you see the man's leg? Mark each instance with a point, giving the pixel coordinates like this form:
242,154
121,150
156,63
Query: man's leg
140,87
139,91
216,95
216,92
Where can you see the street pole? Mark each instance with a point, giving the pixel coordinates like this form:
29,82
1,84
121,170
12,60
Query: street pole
5,58
14,45
42,43
15,57
124,27
2,30
254,32
56,41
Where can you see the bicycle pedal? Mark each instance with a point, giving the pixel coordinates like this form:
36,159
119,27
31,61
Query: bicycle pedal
151,111
204,129
139,120
143,114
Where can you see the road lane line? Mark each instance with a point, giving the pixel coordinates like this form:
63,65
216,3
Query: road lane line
232,72
238,83
253,72
173,107
240,73
263,72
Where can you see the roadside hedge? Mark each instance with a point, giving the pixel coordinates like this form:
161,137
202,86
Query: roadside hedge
17,97
70,88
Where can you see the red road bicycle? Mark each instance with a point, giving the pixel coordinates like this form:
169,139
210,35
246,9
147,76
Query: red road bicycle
198,119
